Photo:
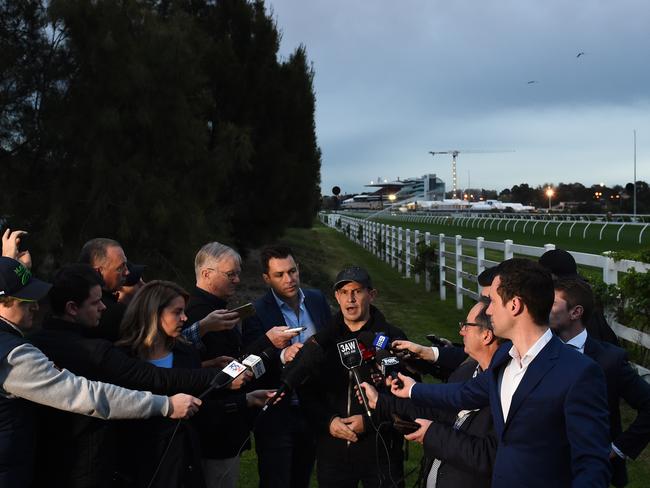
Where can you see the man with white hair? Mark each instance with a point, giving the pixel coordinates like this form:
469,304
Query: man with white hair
218,268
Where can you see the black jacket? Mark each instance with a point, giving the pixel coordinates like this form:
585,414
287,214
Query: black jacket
467,453
221,436
331,394
16,424
78,451
622,382
143,442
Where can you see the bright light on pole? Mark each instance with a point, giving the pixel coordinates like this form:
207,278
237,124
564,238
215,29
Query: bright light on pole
549,194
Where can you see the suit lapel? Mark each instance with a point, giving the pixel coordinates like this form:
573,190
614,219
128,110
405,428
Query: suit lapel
537,369
591,348
499,361
274,316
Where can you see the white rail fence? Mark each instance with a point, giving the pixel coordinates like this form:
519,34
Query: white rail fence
398,247
577,226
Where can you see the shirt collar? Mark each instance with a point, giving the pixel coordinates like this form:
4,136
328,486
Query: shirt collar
533,351
578,341
281,303
12,326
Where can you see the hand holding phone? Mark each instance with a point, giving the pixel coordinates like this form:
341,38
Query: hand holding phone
404,426
244,311
296,330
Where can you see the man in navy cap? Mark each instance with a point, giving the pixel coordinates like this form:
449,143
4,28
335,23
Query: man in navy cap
346,451
27,374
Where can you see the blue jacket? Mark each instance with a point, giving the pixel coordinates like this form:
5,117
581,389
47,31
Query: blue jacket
622,382
557,431
268,315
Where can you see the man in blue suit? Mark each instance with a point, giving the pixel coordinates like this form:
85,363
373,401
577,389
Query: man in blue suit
548,402
284,443
573,306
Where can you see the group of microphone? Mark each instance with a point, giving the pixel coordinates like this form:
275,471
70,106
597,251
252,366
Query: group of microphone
367,349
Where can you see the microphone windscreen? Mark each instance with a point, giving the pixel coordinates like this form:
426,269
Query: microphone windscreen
366,338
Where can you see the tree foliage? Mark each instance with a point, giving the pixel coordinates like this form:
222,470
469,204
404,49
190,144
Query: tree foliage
163,124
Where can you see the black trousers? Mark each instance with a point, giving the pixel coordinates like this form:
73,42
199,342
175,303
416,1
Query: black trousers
285,457
348,474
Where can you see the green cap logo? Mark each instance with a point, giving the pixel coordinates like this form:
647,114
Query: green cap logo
24,275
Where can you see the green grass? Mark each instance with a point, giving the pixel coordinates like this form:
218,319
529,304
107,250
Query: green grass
322,252
591,244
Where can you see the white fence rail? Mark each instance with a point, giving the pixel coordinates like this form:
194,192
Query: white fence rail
398,247
577,226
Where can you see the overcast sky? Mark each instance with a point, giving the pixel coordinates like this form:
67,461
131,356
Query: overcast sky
396,79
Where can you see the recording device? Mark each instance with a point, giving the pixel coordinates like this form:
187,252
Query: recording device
365,340
223,378
295,329
245,311
351,359
307,360
381,341
404,426
389,365
255,365
440,341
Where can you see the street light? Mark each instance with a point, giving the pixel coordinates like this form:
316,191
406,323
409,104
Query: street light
392,197
549,194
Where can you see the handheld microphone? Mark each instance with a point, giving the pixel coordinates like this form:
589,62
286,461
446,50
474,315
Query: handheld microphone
351,359
309,357
389,365
255,365
381,341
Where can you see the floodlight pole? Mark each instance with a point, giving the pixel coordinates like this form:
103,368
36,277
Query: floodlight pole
634,182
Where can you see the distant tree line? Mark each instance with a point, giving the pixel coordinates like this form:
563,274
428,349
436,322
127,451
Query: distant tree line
583,199
160,123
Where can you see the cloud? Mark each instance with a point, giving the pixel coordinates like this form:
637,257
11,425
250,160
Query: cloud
397,79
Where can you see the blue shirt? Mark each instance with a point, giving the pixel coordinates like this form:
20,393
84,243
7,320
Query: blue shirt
302,319
164,362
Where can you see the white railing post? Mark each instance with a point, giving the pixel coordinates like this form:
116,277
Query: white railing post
400,246
610,274
549,247
416,243
459,269
393,247
427,273
441,265
507,250
407,254
387,243
480,261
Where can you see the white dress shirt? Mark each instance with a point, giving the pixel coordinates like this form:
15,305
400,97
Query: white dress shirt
516,369
578,341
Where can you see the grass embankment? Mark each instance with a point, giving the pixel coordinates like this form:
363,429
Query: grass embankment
322,252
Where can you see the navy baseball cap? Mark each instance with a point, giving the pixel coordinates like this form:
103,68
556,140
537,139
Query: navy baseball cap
16,281
559,262
353,273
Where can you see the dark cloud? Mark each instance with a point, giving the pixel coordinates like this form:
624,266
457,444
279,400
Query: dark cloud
397,79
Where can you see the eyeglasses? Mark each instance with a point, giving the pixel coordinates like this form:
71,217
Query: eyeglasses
462,325
231,275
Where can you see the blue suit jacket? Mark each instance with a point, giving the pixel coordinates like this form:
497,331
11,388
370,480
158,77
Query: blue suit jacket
557,430
622,382
268,315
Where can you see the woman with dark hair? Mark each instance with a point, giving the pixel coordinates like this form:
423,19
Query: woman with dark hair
151,330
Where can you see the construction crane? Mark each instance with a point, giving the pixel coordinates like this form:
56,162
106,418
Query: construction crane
454,154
